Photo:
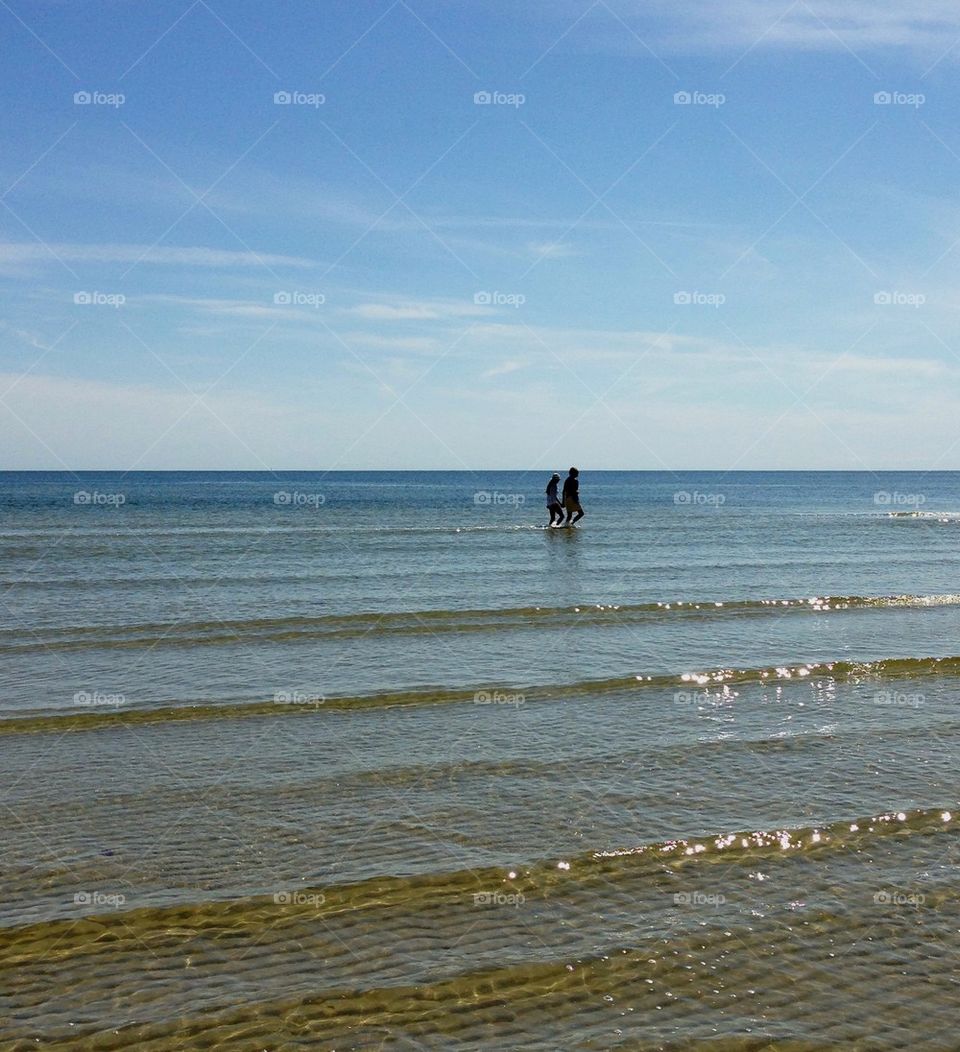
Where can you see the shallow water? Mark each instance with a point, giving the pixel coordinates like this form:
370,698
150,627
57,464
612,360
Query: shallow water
372,760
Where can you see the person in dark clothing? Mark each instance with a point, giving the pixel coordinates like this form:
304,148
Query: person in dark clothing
571,497
553,500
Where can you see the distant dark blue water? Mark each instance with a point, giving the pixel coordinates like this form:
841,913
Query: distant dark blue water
176,588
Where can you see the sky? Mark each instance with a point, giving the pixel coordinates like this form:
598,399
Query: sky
390,234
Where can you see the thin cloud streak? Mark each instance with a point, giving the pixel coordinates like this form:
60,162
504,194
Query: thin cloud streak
30,252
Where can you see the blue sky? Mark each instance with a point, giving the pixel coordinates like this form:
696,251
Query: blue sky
386,273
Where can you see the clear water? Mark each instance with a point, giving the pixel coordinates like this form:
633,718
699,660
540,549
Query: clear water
264,739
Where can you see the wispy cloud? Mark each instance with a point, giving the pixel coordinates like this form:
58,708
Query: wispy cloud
502,370
245,309
550,249
35,252
29,338
416,344
694,26
416,310
815,24
384,312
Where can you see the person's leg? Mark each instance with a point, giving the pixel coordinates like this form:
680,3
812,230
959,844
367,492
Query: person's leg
578,516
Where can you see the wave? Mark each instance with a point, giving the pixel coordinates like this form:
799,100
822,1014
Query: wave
561,947
538,878
688,687
927,516
433,622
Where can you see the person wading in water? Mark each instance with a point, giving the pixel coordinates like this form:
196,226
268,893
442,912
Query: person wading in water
571,497
553,500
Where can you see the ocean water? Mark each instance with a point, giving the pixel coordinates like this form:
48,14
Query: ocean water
375,760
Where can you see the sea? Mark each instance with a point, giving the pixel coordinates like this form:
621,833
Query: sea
376,760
